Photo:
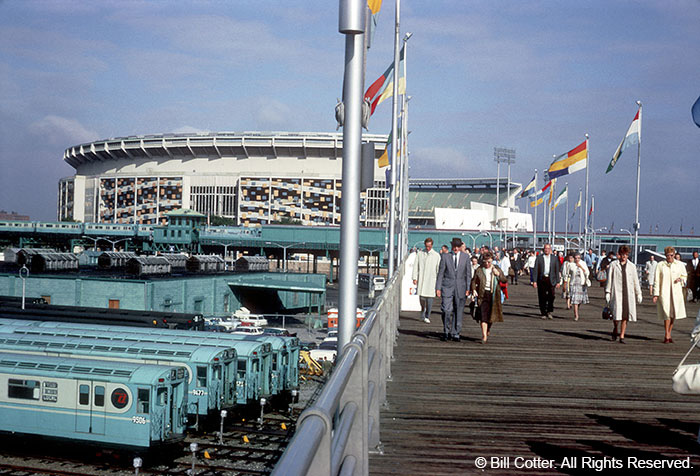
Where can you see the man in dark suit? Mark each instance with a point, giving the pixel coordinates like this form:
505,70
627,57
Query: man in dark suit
454,277
693,268
546,280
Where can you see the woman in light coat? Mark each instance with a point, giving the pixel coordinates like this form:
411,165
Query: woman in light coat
577,282
566,274
622,292
669,280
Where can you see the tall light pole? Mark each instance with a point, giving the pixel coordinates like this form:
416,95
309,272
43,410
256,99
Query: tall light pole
352,22
394,142
502,154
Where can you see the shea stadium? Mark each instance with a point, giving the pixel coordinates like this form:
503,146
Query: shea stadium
253,178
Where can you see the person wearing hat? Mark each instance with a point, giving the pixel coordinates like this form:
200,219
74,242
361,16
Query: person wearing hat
452,285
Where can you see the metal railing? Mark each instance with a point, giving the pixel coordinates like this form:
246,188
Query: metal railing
336,434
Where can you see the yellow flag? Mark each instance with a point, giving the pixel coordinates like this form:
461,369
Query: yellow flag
374,5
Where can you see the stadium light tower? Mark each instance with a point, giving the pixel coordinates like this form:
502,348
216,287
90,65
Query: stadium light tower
502,154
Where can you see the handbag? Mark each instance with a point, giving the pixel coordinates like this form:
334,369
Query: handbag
602,275
686,378
607,314
588,283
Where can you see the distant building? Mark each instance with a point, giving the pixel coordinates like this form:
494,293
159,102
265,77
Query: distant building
13,216
250,177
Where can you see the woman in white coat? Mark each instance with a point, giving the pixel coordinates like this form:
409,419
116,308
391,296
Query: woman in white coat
622,292
577,282
669,280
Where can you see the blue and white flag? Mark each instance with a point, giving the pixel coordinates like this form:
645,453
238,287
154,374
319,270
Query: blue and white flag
633,136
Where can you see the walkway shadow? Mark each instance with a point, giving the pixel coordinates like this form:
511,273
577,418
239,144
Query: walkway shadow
647,434
627,335
599,459
432,335
578,335
685,426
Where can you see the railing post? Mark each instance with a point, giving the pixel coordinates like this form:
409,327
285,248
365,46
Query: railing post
356,392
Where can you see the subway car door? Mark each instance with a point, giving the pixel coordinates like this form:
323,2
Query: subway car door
90,407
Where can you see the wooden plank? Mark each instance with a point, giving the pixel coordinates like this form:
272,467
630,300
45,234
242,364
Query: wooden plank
545,389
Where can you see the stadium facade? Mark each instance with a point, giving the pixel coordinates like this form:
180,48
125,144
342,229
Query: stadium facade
250,177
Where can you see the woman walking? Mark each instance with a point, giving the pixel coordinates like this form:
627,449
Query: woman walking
669,280
566,270
577,278
622,292
486,287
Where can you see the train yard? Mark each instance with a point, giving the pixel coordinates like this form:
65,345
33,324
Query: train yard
252,381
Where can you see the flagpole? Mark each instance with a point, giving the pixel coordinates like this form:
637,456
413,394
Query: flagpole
534,224
566,222
394,144
580,216
639,170
588,164
554,216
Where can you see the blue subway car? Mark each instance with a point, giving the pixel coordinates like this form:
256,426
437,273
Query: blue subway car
252,379
122,404
206,366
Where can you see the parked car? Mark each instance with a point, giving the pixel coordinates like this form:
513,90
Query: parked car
278,331
327,349
248,331
227,323
248,319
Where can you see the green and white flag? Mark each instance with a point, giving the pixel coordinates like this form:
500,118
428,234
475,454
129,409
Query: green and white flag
561,198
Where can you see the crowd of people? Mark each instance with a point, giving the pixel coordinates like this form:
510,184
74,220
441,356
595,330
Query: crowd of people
478,280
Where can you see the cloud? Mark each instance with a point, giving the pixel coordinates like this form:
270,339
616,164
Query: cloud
444,162
189,130
272,114
60,131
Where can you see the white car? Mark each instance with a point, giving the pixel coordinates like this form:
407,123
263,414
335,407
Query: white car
248,319
248,331
326,349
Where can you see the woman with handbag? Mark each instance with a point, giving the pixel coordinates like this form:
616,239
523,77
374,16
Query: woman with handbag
622,292
577,278
486,287
669,280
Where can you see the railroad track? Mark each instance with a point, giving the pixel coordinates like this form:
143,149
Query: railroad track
248,449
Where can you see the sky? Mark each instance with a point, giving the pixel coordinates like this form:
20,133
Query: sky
535,76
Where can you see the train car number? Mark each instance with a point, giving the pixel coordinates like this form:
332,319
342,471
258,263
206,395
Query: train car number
198,393
139,420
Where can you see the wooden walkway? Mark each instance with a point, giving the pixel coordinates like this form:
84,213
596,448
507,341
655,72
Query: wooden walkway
538,389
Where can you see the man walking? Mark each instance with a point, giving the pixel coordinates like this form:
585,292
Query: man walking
693,268
650,270
546,281
425,272
453,279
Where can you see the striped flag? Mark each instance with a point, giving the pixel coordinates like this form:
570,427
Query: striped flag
573,161
539,196
633,136
561,198
385,159
530,189
383,87
551,191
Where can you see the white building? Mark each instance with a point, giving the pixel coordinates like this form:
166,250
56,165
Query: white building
252,177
